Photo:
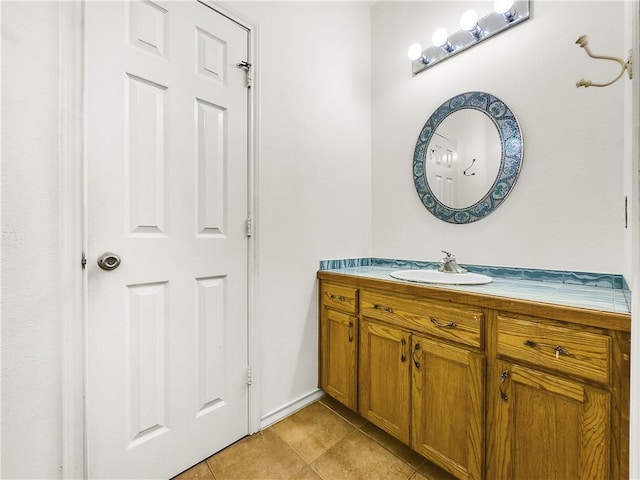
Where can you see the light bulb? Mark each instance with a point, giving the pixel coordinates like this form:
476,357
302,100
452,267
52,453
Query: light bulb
414,52
469,20
440,37
505,8
502,6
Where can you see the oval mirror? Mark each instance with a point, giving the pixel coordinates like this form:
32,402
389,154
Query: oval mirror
467,157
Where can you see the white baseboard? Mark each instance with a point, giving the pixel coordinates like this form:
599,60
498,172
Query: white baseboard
291,407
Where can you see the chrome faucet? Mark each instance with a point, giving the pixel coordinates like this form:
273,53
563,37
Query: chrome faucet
449,265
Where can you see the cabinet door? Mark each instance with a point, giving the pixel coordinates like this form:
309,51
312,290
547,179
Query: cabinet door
447,411
549,427
338,356
385,377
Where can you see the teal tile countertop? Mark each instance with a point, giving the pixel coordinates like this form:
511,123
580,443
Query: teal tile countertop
603,292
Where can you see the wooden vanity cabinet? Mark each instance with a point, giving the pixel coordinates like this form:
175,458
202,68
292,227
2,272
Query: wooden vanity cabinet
421,377
553,408
338,343
484,387
447,406
426,393
385,377
550,427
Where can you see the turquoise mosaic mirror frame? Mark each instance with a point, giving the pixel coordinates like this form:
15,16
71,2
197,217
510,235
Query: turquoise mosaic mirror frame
510,161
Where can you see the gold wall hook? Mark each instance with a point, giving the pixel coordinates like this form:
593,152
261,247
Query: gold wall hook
626,66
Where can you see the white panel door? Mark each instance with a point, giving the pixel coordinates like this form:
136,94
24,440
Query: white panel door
166,143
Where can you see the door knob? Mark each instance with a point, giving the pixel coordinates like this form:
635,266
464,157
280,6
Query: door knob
109,261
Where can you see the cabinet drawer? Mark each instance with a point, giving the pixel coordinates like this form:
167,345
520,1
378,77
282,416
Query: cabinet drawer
449,322
340,297
562,349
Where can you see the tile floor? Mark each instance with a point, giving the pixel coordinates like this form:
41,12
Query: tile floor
323,441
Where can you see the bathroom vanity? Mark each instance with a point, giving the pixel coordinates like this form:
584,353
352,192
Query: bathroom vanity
484,385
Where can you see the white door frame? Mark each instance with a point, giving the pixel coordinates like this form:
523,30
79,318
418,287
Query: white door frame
72,240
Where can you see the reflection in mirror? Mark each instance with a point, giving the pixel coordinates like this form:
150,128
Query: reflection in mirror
467,157
463,158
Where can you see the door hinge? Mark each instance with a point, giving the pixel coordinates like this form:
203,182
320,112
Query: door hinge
249,226
247,68
249,380
83,262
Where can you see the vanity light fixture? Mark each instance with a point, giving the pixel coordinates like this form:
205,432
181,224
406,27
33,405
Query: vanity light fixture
473,30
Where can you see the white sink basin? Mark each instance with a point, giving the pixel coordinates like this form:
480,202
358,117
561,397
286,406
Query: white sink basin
434,276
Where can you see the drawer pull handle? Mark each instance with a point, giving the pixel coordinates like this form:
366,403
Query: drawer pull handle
350,334
403,353
416,347
382,307
341,298
438,323
503,378
558,349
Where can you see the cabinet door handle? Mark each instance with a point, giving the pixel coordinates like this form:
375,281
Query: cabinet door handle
438,323
503,378
403,353
382,307
350,334
558,349
416,347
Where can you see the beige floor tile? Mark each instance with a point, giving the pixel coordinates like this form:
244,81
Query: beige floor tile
313,430
326,434
358,457
200,471
262,456
418,476
306,473
395,446
349,415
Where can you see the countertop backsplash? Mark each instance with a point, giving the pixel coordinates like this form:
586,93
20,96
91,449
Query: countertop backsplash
598,291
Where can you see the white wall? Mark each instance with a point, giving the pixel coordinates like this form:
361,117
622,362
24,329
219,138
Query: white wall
314,174
566,210
31,336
